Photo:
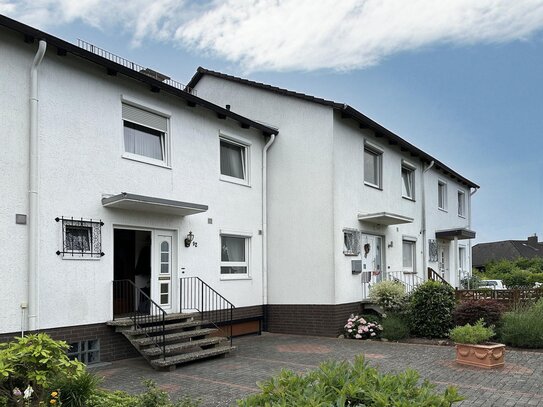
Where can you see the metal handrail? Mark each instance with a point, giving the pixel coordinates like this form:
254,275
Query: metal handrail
433,275
147,316
195,294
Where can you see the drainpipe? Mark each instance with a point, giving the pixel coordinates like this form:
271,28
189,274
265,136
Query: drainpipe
33,240
265,227
424,243
471,193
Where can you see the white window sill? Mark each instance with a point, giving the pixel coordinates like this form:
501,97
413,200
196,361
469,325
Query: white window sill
408,198
442,209
350,253
369,184
234,180
146,160
462,216
80,257
226,277
409,272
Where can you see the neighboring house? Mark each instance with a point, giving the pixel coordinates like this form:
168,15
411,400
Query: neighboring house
116,176
352,203
484,253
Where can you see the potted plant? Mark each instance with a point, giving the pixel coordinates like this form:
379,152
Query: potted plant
473,347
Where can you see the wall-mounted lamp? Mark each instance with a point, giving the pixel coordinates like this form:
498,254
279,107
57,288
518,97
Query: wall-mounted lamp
391,244
189,239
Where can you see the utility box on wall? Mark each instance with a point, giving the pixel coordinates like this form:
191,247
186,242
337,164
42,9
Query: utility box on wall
356,266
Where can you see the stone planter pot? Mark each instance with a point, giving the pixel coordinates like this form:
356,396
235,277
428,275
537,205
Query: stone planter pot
488,356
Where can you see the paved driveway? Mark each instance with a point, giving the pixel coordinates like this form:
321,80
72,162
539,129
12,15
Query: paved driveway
219,382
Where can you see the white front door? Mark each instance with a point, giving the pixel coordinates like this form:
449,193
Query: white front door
163,270
372,258
443,260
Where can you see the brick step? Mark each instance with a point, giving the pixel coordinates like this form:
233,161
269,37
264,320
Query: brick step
127,321
170,361
169,338
158,327
181,346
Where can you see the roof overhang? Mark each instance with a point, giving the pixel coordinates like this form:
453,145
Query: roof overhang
460,234
133,202
384,218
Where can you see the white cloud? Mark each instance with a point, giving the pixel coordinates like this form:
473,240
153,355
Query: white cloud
298,34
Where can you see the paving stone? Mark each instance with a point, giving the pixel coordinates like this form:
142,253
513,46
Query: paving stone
219,382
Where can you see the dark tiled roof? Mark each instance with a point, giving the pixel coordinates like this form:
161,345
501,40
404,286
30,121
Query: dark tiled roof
63,48
346,112
484,253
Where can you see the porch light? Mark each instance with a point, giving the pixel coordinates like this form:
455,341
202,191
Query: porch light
189,239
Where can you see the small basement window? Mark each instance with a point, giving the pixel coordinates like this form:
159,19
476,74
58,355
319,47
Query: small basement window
234,255
87,352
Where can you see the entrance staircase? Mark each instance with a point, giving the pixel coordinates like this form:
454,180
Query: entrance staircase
167,340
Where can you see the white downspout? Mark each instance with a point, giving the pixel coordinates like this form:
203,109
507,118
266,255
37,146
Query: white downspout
33,193
424,243
265,220
470,265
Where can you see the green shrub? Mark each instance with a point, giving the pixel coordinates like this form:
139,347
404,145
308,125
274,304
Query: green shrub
523,327
432,304
395,327
472,334
471,282
103,398
470,311
518,278
345,384
389,295
76,390
536,278
34,360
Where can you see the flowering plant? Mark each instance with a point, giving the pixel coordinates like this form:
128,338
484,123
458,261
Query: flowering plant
359,328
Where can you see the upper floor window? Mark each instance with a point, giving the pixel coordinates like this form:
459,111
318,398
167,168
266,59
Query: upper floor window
442,195
373,162
145,135
461,203
408,182
234,161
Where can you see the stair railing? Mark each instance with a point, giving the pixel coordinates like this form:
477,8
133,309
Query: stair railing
409,280
147,316
435,276
197,295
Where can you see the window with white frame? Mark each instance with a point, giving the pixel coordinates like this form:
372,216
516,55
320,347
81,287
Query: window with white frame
442,195
373,162
461,203
351,243
408,252
408,182
145,135
233,158
234,255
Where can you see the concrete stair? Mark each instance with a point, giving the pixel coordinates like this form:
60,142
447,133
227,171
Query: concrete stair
186,338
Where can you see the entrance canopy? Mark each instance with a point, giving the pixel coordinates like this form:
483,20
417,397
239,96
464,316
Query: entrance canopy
450,234
152,204
384,218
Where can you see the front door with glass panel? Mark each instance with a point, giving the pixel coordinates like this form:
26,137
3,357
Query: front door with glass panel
372,258
163,270
443,260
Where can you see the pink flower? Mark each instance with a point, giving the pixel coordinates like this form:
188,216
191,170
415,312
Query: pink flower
372,334
358,336
349,330
362,320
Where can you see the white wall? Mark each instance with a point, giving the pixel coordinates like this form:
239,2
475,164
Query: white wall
300,171
81,142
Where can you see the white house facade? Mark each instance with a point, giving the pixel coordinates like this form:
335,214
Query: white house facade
353,204
119,180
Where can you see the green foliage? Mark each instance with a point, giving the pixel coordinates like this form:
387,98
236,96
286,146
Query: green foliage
471,282
358,327
76,390
34,360
523,327
389,295
470,311
395,327
517,278
432,304
472,334
346,384
536,278
103,398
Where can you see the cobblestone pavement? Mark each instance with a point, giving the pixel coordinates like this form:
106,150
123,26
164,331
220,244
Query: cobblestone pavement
219,382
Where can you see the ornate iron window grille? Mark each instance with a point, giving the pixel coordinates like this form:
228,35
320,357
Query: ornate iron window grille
93,245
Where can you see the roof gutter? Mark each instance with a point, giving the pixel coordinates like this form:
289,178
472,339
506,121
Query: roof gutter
33,177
